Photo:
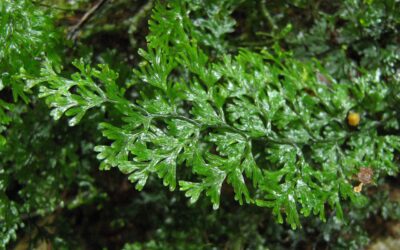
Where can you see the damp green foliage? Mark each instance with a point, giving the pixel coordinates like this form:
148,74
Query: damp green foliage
366,30
27,36
37,172
209,115
198,124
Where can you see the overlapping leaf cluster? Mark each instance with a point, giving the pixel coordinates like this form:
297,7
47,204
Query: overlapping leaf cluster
27,35
203,116
270,126
350,35
35,169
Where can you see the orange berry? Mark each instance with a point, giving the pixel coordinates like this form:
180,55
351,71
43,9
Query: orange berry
353,119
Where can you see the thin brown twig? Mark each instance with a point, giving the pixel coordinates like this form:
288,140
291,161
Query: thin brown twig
72,35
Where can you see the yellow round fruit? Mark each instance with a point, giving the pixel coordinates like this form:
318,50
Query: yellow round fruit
353,119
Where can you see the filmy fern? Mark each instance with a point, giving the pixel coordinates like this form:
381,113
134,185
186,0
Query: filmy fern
270,126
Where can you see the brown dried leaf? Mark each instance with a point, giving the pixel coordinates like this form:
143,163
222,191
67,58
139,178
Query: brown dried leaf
365,175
